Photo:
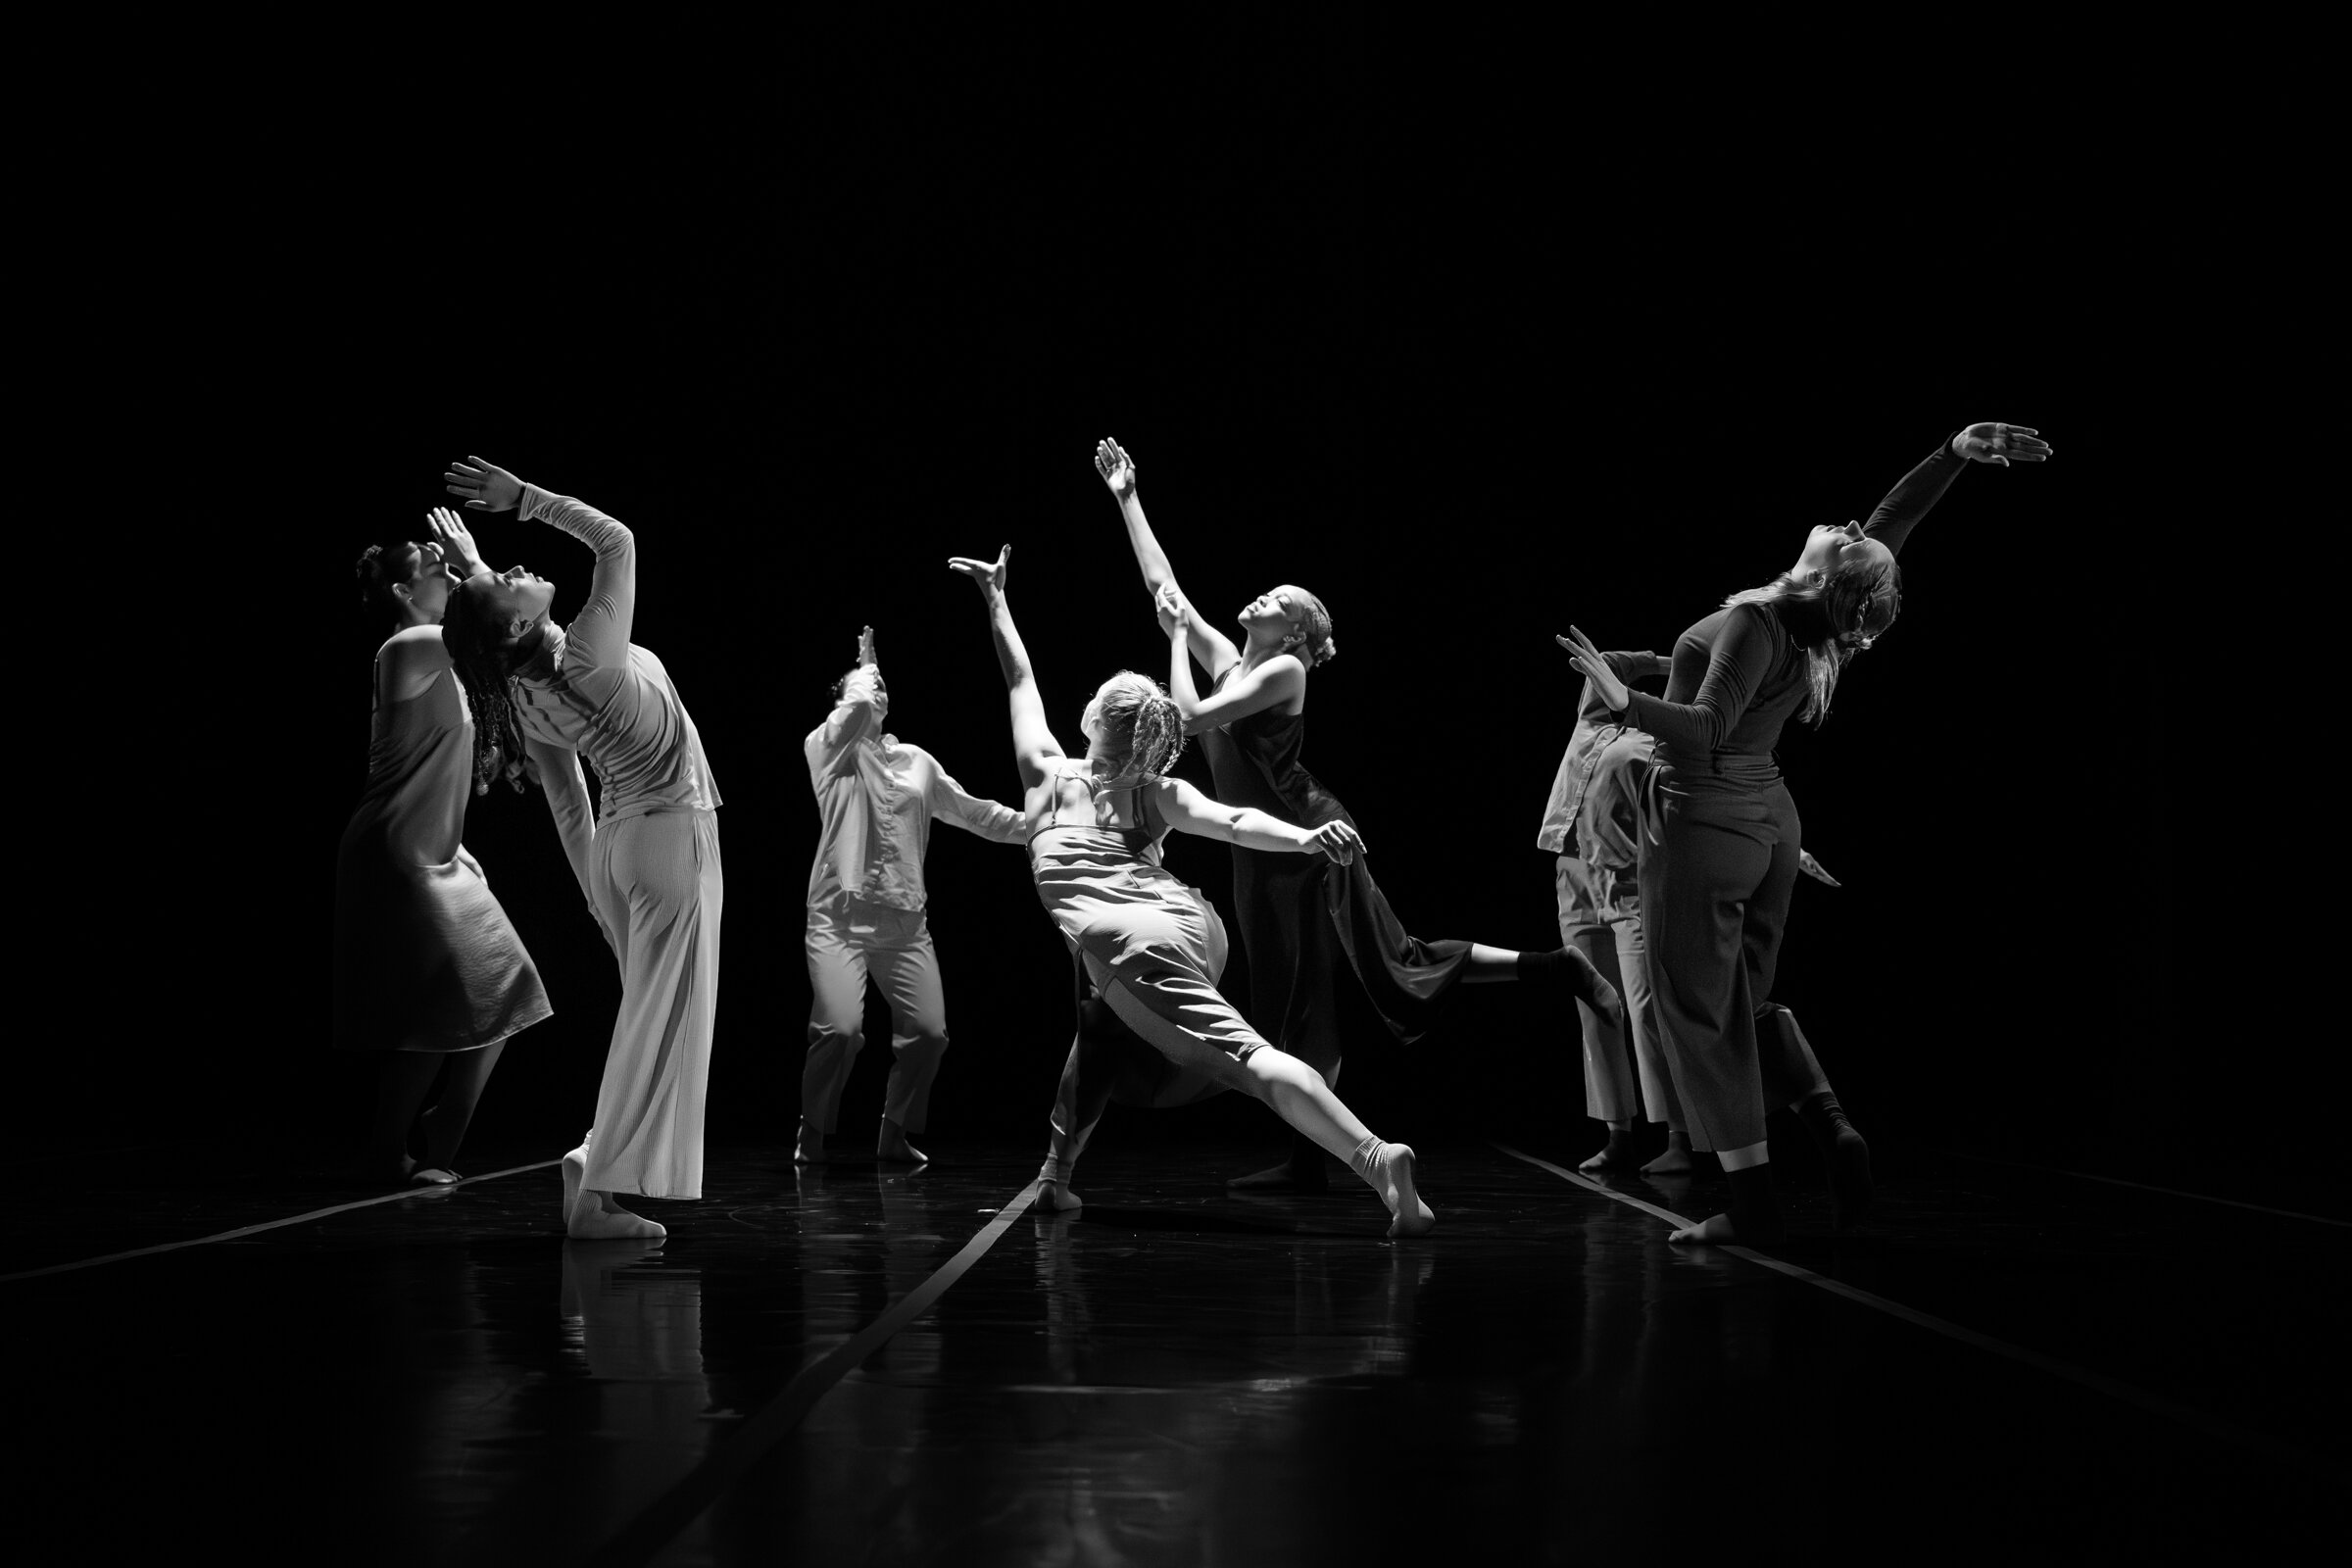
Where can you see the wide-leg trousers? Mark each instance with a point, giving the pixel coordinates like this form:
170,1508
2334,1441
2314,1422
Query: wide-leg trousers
1719,864
849,941
1600,916
658,890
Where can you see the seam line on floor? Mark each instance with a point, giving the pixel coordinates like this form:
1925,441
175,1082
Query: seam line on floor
275,1224
2097,1382
2149,1187
642,1536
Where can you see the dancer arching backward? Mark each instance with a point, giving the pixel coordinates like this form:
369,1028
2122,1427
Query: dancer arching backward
877,797
428,970
1303,920
647,861
1152,946
1723,841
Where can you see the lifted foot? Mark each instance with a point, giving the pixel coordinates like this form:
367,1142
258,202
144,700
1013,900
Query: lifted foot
809,1149
1413,1218
1056,1196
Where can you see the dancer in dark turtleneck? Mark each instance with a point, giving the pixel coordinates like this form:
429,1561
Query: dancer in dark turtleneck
1723,840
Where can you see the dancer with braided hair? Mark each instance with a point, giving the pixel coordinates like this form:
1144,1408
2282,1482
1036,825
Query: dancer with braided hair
428,971
647,858
1722,842
1305,920
1151,947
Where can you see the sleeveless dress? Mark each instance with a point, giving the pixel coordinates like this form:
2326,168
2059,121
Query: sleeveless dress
425,957
1301,916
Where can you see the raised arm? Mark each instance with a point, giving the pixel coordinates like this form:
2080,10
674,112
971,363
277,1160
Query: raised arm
831,747
601,630
1280,679
1034,748
1213,648
1188,810
1894,518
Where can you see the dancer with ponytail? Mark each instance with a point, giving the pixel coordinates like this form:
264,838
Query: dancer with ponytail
428,971
1150,947
648,856
1722,841
1305,920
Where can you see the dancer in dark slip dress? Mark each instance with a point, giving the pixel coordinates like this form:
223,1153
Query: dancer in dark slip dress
428,971
1150,946
1304,922
1722,846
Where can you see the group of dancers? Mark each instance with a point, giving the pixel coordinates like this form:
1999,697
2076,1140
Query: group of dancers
1677,846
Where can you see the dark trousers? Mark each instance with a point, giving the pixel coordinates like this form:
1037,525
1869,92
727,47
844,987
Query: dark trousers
1715,889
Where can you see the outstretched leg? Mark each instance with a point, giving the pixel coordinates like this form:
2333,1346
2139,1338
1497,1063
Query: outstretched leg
1299,1094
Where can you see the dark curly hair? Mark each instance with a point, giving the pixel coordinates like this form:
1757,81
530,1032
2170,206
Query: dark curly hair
483,656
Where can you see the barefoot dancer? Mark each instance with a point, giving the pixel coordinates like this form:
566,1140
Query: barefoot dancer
648,859
1151,945
1303,920
877,797
428,970
1722,846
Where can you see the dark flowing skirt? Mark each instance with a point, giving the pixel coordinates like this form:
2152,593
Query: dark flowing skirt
425,957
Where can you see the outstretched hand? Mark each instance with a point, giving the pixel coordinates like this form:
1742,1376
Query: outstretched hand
486,486
987,575
1812,868
1589,662
2002,444
1116,467
865,647
1338,840
456,541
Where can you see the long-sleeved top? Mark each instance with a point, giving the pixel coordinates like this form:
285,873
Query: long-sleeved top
1593,812
1740,673
591,694
877,797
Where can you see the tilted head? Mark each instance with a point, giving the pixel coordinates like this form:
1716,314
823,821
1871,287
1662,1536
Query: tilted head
1294,618
488,618
1859,584
408,584
846,686
1134,723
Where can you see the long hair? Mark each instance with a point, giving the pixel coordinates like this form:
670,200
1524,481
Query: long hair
1141,723
1857,602
1312,643
483,656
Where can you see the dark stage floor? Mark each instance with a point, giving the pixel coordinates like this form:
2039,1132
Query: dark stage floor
855,1366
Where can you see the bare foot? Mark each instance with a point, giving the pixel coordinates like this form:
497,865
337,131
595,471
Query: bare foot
1058,1196
434,1176
1675,1161
1615,1154
598,1218
1715,1229
810,1149
1413,1218
891,1145
575,1167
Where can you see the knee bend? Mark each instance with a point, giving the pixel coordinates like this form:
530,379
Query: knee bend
829,1035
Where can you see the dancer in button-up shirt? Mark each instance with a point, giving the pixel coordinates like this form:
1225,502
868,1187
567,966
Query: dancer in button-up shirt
877,797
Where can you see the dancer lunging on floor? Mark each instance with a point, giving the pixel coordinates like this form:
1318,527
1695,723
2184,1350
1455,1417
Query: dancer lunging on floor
1723,841
877,797
428,971
1303,921
1151,945
647,858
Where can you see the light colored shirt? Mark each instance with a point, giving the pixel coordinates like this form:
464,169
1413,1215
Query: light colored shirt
1594,812
593,691
877,797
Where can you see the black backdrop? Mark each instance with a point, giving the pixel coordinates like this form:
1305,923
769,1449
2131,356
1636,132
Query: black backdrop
1472,348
